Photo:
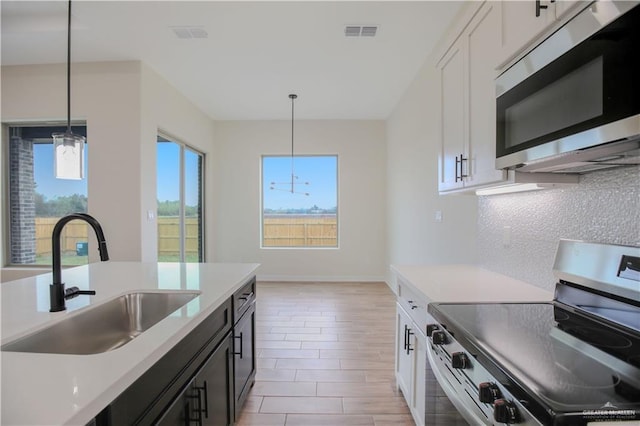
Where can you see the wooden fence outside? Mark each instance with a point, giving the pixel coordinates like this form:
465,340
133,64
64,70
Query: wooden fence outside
300,230
76,232
169,236
278,231
73,232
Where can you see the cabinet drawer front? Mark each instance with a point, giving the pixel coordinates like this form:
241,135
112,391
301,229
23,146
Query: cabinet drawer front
414,303
243,298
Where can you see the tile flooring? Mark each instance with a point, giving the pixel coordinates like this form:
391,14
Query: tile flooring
325,356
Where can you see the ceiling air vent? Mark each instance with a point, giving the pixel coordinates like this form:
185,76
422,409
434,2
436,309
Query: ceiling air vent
351,31
360,30
369,31
190,32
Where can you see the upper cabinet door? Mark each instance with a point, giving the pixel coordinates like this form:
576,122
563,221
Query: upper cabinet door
568,8
521,26
482,35
452,129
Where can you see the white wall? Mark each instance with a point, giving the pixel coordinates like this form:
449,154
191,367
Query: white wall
167,110
124,105
107,96
360,146
413,142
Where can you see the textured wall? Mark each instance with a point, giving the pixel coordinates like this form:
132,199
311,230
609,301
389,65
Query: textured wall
604,207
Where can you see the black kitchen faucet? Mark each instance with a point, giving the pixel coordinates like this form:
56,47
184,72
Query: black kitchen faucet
57,292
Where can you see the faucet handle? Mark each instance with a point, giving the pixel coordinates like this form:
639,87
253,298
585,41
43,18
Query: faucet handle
72,292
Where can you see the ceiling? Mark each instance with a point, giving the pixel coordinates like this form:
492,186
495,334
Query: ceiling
255,53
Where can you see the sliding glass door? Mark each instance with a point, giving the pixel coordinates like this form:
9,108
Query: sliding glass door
180,177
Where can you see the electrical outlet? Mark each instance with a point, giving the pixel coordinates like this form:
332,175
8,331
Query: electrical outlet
438,216
151,215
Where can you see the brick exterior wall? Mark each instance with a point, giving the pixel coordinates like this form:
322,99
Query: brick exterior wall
22,204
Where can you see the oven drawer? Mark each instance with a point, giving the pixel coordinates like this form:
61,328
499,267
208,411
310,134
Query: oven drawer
414,303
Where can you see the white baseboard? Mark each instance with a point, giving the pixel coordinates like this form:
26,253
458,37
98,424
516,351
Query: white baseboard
321,278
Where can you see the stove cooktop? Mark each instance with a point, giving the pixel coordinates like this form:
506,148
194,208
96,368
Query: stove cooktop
562,362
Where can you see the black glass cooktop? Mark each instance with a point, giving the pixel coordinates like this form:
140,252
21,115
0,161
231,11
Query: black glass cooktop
562,361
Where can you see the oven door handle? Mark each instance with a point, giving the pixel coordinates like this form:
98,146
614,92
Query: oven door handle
462,407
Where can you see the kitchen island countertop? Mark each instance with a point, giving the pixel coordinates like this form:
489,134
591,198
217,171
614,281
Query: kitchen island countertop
468,284
47,389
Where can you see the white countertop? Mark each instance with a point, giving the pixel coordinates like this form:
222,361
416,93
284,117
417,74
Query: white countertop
55,389
468,283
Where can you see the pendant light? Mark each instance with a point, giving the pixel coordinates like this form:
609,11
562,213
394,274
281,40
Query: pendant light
291,186
68,158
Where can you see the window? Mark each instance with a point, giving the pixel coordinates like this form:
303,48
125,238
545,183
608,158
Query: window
302,213
180,202
37,200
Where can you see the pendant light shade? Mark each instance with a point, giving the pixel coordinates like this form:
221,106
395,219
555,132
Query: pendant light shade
68,155
68,148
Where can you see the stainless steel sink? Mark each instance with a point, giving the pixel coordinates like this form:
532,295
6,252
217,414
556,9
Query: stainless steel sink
105,327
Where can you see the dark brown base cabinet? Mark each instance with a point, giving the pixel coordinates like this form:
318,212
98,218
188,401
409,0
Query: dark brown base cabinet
206,400
244,362
203,380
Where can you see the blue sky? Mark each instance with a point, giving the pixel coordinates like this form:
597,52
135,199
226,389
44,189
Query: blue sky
319,171
168,170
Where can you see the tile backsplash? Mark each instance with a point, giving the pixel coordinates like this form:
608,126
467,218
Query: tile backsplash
518,233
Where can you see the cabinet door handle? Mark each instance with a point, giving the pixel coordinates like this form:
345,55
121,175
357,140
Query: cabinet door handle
406,329
409,334
462,175
539,7
204,390
239,353
458,162
195,410
246,296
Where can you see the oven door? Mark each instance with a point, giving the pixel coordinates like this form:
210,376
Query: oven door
448,402
543,103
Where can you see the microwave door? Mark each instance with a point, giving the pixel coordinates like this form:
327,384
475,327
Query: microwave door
590,86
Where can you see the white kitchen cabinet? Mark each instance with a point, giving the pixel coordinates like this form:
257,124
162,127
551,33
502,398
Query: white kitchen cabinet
411,350
522,28
569,7
452,131
404,357
467,73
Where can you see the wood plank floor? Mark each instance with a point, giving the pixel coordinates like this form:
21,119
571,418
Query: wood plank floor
325,356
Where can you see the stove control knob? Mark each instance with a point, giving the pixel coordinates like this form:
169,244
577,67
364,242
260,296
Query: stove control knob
438,337
488,392
431,328
505,412
460,360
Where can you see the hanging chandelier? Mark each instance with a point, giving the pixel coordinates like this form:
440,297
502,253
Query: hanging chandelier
291,185
68,148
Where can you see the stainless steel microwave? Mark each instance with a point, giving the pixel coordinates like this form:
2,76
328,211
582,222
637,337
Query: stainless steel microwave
572,104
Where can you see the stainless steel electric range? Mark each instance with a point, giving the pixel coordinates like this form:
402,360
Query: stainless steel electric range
574,361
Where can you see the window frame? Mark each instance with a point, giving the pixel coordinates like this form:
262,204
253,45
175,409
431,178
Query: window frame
261,207
182,179
5,170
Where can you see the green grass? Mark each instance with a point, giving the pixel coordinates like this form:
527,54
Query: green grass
70,259
67,259
190,258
